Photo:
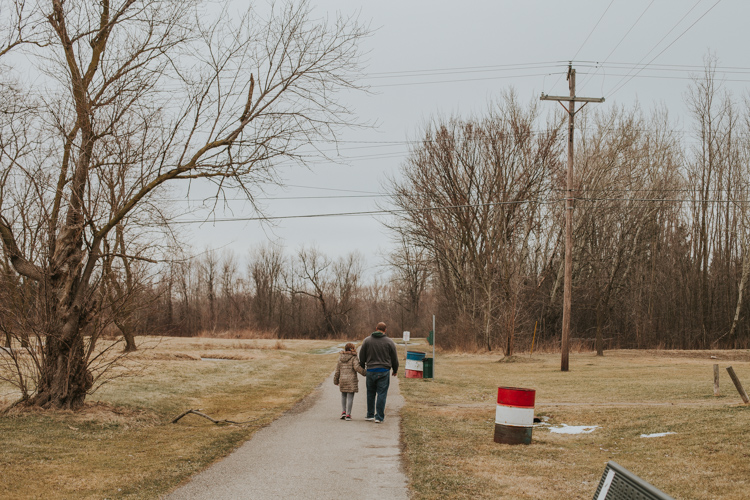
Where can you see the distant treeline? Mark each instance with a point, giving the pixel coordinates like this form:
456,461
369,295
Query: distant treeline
307,295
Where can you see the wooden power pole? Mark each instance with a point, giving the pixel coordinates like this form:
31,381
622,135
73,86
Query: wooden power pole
568,283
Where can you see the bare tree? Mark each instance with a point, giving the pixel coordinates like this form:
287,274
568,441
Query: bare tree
736,237
347,282
232,310
625,164
208,268
714,173
266,271
334,285
124,281
221,98
314,281
412,271
471,195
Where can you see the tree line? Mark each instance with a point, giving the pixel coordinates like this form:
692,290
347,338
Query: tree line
660,223
660,256
268,292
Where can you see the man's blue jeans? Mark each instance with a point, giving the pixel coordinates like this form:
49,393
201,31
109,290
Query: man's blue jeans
377,385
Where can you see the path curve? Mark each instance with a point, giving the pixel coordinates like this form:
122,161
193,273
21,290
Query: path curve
310,453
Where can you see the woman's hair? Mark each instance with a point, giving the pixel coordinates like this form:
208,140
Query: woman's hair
350,347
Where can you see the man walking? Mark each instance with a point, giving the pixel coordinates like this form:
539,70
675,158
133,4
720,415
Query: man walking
378,356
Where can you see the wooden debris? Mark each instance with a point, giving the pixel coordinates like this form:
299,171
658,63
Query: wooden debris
738,385
218,422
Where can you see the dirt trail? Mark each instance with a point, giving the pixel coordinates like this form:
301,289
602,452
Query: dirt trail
310,453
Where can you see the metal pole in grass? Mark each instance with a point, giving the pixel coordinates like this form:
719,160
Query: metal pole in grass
433,347
532,339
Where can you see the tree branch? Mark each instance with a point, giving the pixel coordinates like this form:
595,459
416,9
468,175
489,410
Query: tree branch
20,264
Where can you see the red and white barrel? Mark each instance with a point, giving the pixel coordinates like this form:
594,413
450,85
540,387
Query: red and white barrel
414,364
514,417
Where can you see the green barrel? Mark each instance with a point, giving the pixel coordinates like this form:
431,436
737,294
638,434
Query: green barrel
427,367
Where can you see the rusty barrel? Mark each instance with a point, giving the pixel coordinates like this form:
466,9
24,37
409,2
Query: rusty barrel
414,364
514,417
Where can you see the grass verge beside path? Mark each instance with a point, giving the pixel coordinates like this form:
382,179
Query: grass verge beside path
448,426
123,444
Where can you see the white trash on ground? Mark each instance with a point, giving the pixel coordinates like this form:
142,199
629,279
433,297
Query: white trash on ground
573,429
657,434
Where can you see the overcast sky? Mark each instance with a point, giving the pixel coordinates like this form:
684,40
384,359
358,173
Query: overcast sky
428,59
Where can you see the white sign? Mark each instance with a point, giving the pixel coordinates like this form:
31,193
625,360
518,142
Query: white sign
407,335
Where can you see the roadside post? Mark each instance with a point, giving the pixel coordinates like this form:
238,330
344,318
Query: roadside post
433,346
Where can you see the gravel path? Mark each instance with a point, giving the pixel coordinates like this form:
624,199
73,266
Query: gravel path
310,453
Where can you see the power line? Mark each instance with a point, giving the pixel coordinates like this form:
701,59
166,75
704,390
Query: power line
668,46
651,190
331,189
371,213
459,81
662,77
661,66
495,67
666,35
595,64
586,40
670,200
658,66
621,40
385,195
463,70
279,198
594,28
546,64
350,214
630,29
670,70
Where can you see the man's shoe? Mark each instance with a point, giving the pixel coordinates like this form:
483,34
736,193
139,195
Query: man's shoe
378,421
348,417
370,418
343,415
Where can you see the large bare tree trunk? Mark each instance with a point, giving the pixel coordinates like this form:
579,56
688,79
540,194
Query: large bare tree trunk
65,378
128,333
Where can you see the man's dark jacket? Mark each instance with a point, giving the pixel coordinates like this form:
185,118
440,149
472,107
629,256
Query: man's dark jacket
378,351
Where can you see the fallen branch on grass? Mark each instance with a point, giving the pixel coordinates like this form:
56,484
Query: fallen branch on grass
198,412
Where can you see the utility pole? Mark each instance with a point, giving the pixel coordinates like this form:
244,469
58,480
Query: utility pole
568,283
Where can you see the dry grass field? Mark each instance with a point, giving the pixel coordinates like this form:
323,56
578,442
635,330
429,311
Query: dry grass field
448,425
124,446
